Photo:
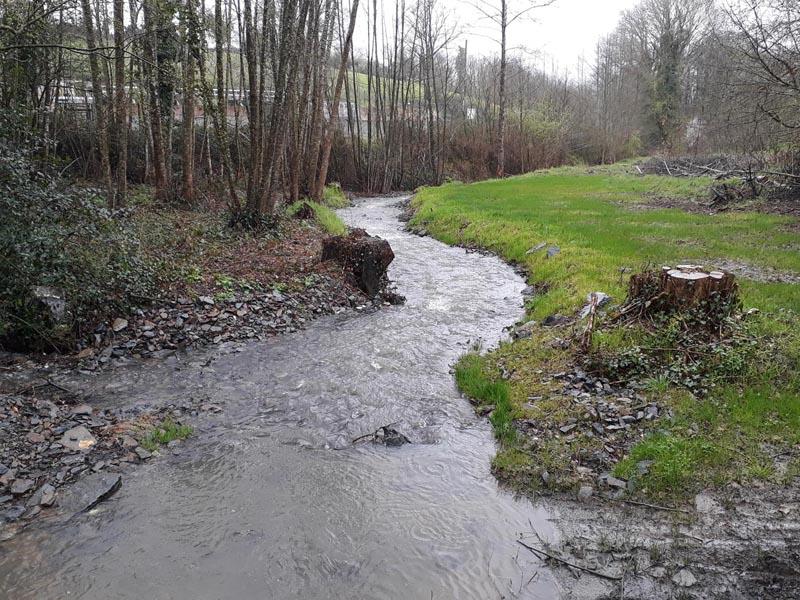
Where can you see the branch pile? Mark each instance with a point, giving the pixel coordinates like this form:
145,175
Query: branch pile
740,178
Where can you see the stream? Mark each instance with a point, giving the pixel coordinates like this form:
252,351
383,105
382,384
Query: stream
269,499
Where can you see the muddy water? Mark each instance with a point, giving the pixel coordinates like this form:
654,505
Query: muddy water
270,500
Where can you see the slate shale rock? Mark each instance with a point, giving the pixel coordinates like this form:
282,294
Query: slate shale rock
47,447
615,416
89,491
183,322
366,257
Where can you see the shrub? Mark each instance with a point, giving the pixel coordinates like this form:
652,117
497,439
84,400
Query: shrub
57,235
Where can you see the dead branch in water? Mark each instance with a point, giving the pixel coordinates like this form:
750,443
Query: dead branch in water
539,551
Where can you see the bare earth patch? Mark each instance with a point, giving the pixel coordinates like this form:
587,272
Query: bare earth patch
739,542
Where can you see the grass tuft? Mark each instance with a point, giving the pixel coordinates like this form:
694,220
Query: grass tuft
164,433
334,196
488,391
324,216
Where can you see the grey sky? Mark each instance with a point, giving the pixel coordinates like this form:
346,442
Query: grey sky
561,33
557,36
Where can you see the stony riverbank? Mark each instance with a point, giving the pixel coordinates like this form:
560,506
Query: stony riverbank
52,437
55,446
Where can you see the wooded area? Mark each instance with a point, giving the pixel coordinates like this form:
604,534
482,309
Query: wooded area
282,100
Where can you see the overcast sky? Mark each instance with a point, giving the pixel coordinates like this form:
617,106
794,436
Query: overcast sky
563,32
555,35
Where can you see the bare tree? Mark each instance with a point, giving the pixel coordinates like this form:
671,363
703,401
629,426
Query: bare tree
120,105
768,49
99,105
333,121
505,13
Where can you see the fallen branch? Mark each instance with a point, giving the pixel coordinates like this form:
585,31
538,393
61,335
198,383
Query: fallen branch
47,382
657,507
541,552
586,341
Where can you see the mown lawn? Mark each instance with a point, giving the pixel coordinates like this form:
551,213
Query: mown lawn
600,221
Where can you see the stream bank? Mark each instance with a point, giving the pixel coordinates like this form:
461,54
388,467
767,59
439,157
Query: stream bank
673,478
271,498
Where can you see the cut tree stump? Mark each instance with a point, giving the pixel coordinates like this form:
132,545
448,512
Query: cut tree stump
676,289
686,285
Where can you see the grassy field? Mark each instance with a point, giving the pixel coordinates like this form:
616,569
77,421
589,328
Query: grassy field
748,411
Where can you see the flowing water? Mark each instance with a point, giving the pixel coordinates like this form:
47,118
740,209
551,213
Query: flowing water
271,500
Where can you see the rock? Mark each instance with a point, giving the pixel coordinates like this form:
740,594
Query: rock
658,572
142,453
7,532
21,486
684,578
7,477
643,467
119,324
53,300
613,482
44,496
207,300
34,438
523,331
366,256
536,248
600,298
14,513
585,492
567,428
78,438
128,442
703,503
81,409
32,511
552,251
391,437
89,491
48,495
555,321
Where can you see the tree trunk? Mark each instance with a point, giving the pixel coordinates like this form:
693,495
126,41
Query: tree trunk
187,112
154,108
334,109
501,92
101,121
120,104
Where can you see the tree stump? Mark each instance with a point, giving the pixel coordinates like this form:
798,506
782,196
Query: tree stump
686,285
677,289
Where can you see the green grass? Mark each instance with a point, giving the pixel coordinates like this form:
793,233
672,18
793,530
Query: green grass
334,196
324,216
489,391
164,433
587,217
596,217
